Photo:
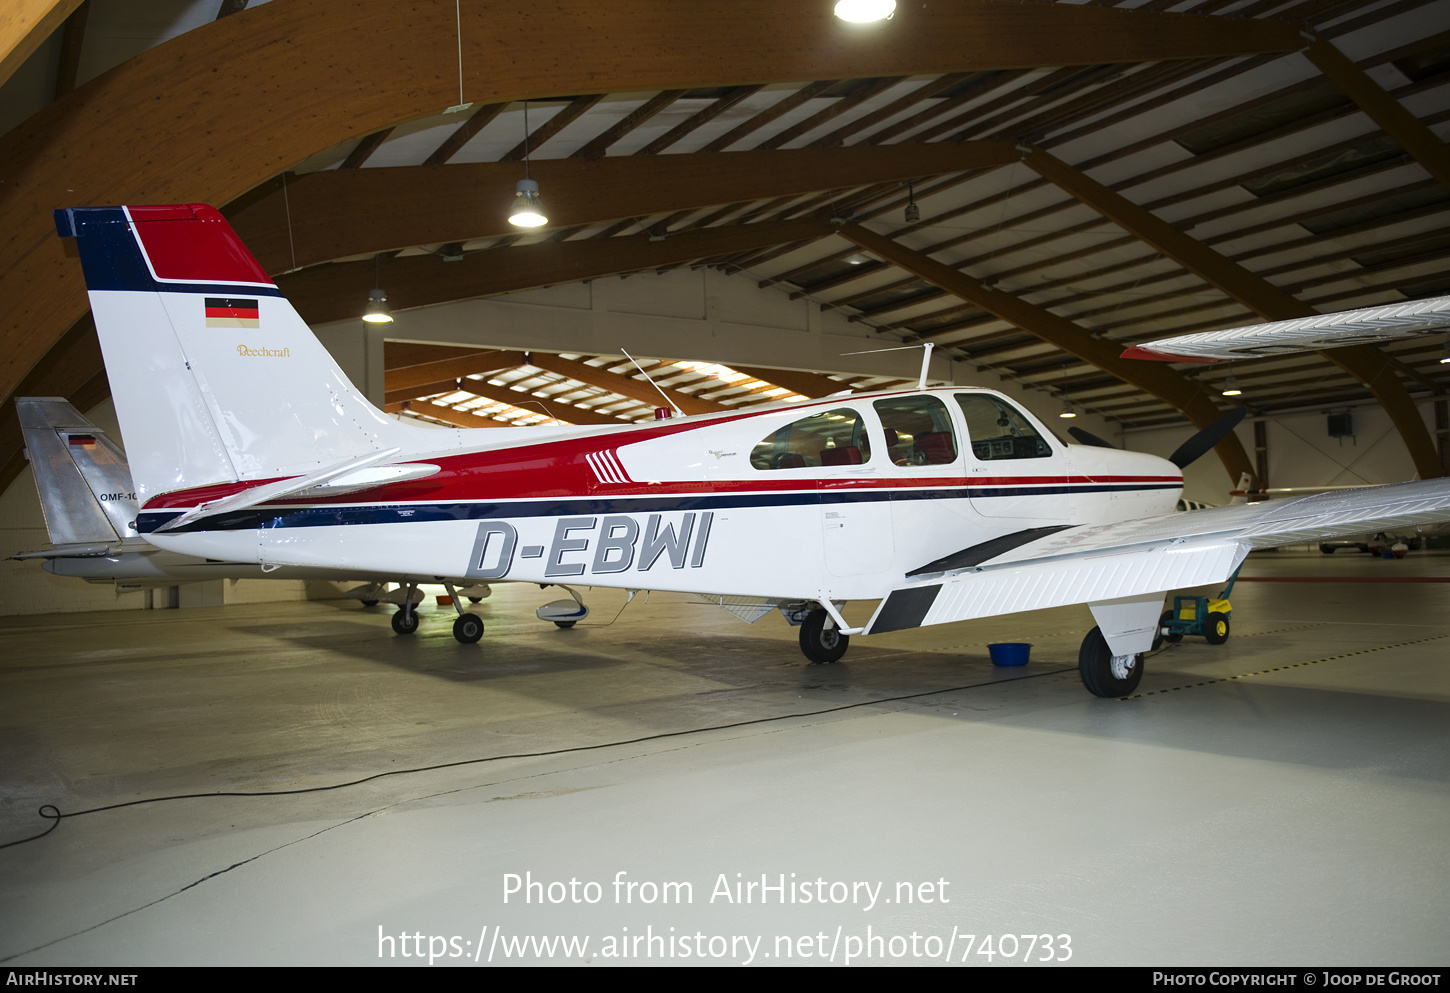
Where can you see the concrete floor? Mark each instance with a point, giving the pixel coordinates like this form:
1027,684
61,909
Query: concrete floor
1296,815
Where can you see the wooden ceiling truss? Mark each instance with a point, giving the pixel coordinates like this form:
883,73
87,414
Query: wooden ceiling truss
792,136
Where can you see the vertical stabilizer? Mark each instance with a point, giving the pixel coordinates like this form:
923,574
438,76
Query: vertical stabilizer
215,377
80,473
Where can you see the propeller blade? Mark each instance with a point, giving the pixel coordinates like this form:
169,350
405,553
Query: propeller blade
1199,444
1088,438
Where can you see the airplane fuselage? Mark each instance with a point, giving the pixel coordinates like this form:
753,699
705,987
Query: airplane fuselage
838,498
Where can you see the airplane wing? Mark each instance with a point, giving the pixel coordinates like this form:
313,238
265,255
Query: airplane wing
1306,334
1096,563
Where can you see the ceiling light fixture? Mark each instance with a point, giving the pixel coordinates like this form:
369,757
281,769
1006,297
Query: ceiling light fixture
1231,387
1067,411
913,212
377,310
1445,359
864,11
527,211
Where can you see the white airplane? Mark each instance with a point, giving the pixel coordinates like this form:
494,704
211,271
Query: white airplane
90,509
247,443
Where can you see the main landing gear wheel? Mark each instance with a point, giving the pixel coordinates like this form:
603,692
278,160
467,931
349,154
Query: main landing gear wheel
822,645
1103,673
1215,629
566,625
405,620
468,628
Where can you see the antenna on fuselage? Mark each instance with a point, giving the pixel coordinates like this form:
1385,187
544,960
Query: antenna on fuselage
661,392
926,348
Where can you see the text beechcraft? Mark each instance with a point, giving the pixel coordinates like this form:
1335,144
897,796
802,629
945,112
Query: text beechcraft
248,444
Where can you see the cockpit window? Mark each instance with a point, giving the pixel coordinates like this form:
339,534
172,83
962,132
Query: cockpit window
918,431
999,431
836,437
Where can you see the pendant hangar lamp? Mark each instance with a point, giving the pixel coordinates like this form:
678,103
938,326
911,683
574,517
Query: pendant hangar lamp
1231,387
865,11
377,310
527,210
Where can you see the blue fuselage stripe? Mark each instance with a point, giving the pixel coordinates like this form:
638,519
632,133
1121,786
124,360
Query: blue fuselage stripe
334,515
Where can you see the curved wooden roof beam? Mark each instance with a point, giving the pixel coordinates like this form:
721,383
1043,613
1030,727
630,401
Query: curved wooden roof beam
437,411
1167,384
1365,363
24,26
338,292
212,113
340,213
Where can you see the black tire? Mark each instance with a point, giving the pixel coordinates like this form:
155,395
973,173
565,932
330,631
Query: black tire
1327,549
1215,629
1172,639
405,621
566,625
468,628
1095,666
475,599
820,645
369,603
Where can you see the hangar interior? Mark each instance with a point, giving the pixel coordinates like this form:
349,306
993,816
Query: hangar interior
753,202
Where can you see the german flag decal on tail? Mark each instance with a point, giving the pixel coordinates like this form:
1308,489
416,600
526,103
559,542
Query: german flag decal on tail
223,312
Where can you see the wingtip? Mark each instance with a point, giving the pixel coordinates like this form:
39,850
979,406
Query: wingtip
1139,352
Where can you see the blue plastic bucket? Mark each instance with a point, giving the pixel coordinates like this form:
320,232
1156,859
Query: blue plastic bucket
1009,653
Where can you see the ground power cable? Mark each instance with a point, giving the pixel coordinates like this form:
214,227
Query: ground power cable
53,813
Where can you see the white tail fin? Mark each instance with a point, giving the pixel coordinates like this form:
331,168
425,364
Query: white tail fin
215,377
1240,493
81,474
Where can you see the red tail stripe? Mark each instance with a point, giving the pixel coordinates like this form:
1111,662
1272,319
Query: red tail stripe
194,243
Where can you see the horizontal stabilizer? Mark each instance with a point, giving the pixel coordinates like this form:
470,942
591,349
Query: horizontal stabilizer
80,474
283,488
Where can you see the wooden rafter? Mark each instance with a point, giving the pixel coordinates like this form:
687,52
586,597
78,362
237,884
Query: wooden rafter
438,411
1387,112
1162,382
372,210
450,369
563,118
464,133
24,25
698,119
827,114
635,389
807,384
597,146
778,109
364,149
72,39
337,292
377,76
